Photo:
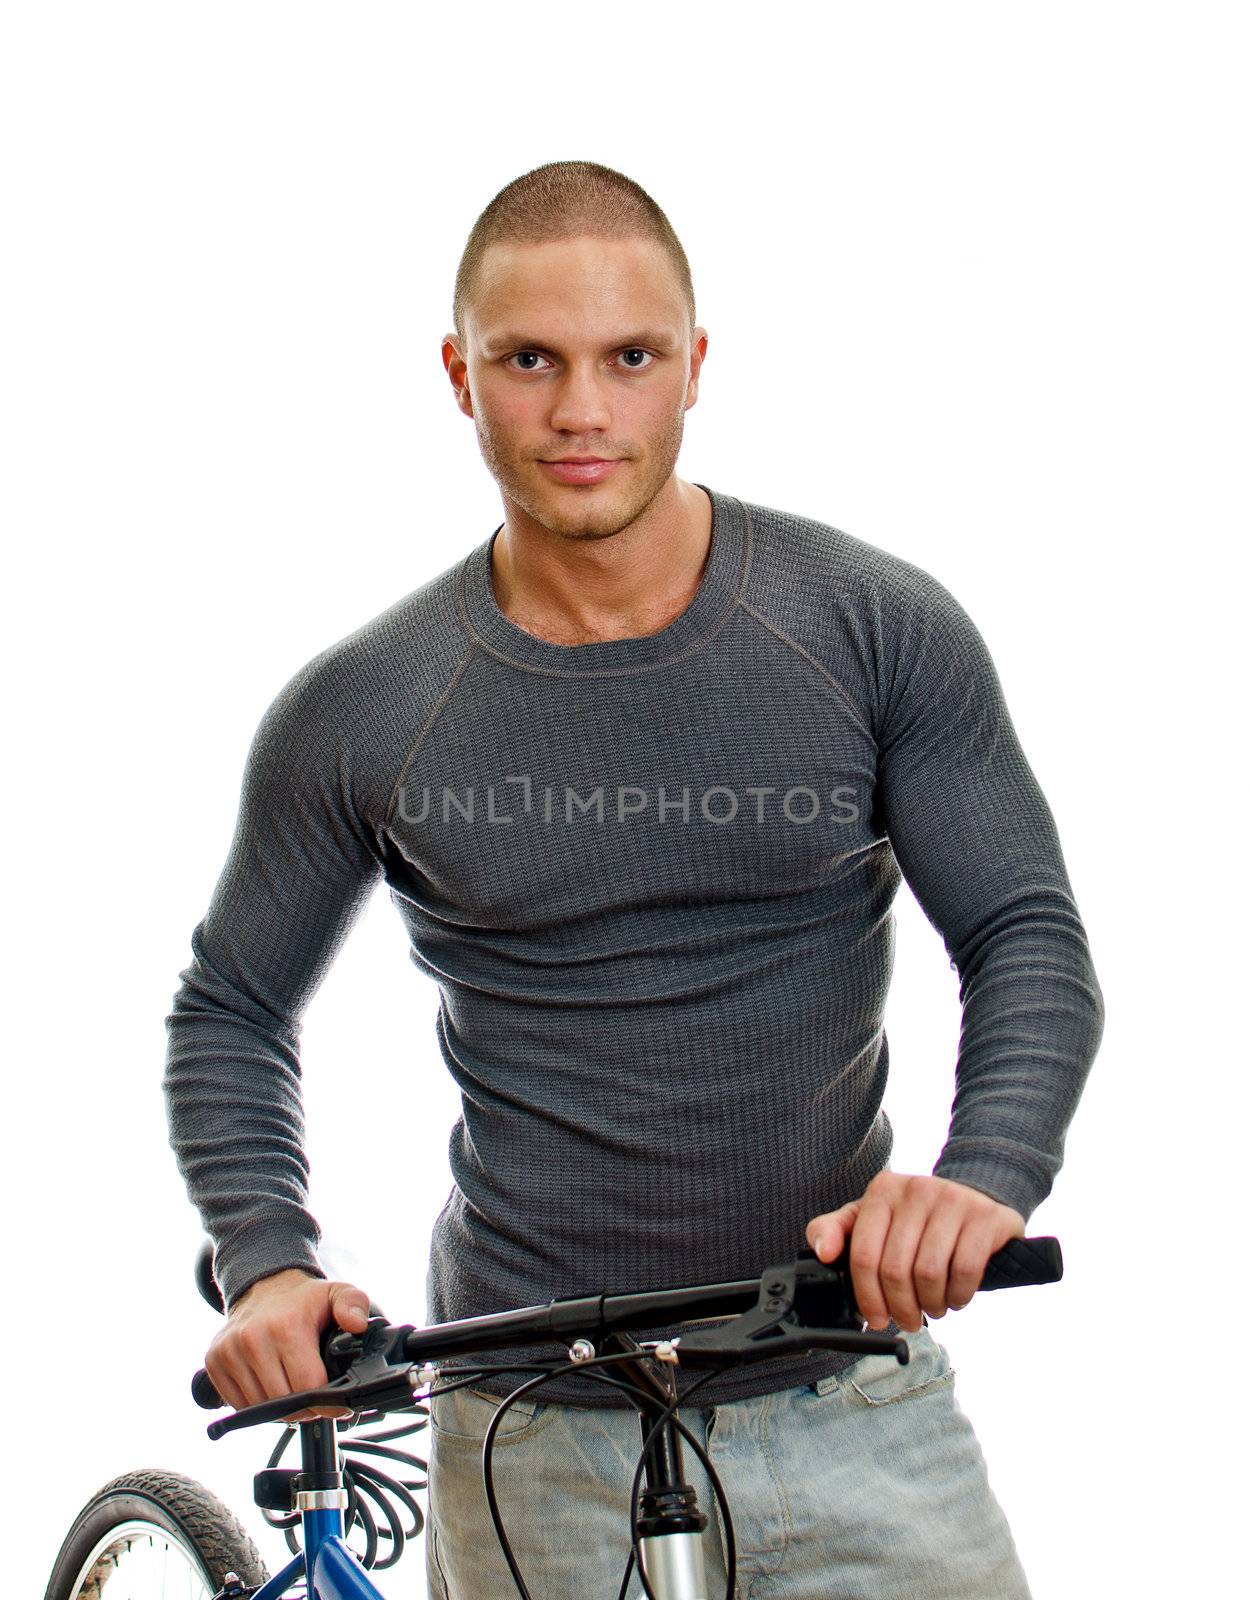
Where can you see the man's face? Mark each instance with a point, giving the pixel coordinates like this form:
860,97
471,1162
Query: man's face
579,347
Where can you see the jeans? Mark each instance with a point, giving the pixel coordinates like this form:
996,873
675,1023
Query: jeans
866,1485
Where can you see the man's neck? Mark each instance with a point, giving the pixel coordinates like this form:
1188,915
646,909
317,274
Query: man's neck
589,591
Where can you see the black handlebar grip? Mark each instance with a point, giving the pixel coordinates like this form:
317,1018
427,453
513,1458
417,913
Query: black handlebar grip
1022,1261
204,1393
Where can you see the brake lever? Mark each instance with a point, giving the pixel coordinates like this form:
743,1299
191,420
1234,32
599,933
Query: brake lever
804,1304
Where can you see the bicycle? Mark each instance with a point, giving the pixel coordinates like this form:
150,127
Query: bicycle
148,1516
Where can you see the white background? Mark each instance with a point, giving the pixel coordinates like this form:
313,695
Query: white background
974,279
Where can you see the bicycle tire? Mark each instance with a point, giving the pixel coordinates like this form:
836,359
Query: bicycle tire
165,1509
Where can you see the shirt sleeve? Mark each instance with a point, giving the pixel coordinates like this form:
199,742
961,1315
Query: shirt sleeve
300,868
976,841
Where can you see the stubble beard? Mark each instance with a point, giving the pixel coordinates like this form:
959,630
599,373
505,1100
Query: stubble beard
567,510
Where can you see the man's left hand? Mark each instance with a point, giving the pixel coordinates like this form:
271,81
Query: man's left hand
917,1244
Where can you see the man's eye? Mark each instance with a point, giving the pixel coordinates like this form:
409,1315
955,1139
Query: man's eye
525,355
634,350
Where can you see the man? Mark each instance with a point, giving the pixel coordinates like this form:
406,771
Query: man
643,772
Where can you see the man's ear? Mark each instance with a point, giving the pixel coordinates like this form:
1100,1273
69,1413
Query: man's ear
698,351
458,372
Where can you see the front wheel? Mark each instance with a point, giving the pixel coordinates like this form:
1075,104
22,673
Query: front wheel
152,1535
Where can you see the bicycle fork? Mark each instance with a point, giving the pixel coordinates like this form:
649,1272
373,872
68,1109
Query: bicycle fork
670,1524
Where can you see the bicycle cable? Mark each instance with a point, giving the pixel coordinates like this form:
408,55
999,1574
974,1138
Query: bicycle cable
364,1482
669,1415
633,1390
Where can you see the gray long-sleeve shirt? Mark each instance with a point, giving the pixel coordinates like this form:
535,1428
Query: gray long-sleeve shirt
652,878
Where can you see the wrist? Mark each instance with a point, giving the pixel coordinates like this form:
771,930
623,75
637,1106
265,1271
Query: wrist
281,1279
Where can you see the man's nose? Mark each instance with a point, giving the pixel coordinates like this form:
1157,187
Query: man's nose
581,403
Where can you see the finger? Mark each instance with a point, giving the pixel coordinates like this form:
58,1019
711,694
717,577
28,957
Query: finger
898,1259
867,1239
973,1250
223,1380
933,1260
301,1357
305,1370
349,1306
299,1372
260,1347
828,1233
299,1350
239,1375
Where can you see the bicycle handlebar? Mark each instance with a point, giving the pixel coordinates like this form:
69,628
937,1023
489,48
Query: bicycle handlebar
805,1304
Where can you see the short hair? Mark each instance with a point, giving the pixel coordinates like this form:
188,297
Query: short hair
567,200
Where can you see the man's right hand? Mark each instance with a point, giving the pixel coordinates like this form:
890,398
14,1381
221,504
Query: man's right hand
270,1345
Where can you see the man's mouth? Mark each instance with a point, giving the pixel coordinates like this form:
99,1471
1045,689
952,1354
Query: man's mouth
581,469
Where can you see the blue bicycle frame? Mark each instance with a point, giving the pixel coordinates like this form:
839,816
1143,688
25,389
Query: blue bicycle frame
330,1567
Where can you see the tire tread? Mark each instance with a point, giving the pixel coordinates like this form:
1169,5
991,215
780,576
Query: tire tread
218,1537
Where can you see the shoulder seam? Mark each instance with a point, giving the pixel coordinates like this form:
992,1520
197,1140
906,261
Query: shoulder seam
429,722
811,660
